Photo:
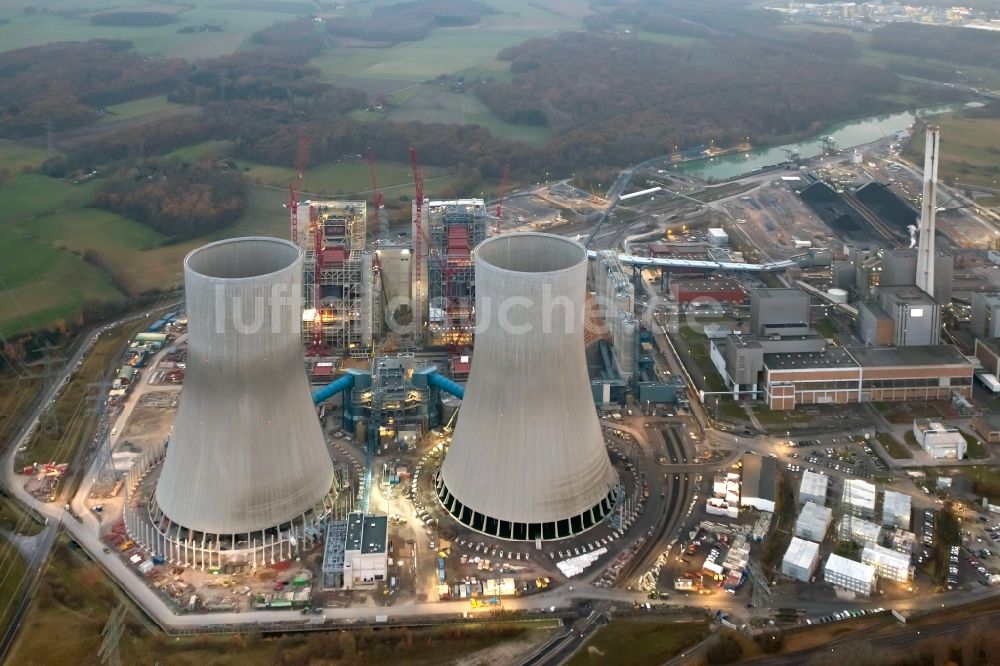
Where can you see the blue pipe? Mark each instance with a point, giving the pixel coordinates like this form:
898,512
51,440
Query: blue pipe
343,383
440,381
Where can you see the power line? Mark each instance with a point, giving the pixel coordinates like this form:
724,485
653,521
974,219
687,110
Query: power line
114,628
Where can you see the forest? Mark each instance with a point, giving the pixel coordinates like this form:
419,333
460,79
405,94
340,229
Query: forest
178,200
952,44
613,101
63,85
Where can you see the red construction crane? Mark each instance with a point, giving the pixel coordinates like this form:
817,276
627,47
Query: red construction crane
418,238
381,218
504,175
317,348
293,207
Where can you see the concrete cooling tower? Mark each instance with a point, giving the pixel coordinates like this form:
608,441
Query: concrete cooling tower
246,468
527,460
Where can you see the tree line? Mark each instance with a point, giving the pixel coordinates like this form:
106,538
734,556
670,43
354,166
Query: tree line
940,42
409,21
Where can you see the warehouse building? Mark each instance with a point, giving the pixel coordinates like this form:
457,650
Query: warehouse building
896,510
850,575
859,530
866,374
939,440
759,488
987,426
707,290
800,560
888,563
858,498
813,522
987,350
813,488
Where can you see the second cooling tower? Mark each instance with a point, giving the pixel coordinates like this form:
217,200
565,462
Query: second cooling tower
527,460
247,467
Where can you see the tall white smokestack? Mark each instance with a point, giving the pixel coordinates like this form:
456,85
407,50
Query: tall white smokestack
527,460
247,461
928,209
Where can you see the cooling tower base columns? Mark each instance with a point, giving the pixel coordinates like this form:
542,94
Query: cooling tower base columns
516,531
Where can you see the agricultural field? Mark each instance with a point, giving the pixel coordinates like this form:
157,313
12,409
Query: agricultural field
970,150
15,157
40,27
138,108
636,641
432,103
14,569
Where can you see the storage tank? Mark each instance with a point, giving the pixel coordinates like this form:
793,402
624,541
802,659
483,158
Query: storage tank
528,460
837,295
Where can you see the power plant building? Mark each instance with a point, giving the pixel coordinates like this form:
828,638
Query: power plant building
246,475
527,459
779,311
985,315
342,302
615,295
356,553
443,282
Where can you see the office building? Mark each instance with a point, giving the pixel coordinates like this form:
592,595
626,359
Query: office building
813,488
858,530
939,440
813,522
858,498
890,564
850,575
800,560
896,510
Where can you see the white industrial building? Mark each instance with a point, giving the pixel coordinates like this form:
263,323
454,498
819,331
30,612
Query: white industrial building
356,552
888,563
813,488
813,522
859,530
718,236
939,440
896,510
858,498
759,488
800,559
850,575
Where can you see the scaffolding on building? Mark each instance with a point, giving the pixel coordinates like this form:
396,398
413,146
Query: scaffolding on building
615,295
455,228
340,289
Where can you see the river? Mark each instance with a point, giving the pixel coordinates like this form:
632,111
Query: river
846,134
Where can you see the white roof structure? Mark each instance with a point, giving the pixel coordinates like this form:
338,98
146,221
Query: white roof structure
247,453
813,521
855,571
896,509
813,487
802,553
889,563
859,494
527,459
859,530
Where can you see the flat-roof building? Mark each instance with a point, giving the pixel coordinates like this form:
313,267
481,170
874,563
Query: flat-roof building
888,563
850,575
708,290
987,426
985,314
859,530
779,311
365,551
800,560
987,350
915,315
866,374
813,522
896,510
858,498
939,440
813,488
759,488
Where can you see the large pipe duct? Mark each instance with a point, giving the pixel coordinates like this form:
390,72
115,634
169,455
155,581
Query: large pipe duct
527,460
247,455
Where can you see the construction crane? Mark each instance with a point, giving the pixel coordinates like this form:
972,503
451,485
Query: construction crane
381,216
504,175
302,156
293,207
418,238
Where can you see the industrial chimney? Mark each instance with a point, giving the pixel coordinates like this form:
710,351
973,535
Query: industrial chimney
928,211
527,460
246,468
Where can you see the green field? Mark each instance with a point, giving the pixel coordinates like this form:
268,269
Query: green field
430,103
893,447
638,641
217,149
13,568
35,29
45,227
138,108
15,157
970,150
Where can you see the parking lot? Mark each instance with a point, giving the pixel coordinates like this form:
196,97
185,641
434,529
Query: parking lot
846,456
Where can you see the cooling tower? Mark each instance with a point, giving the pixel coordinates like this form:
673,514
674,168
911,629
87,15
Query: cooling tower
246,461
527,459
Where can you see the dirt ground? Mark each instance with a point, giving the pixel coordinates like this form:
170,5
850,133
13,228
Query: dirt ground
511,652
152,418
